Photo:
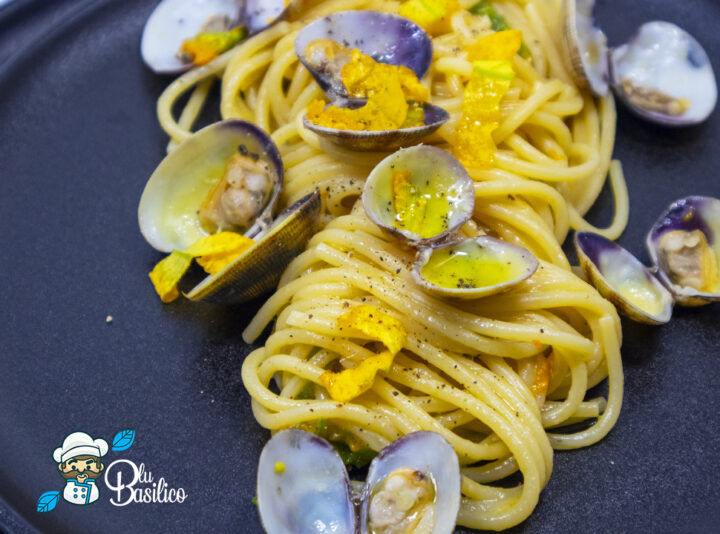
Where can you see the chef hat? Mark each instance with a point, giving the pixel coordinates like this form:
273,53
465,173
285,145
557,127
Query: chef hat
77,444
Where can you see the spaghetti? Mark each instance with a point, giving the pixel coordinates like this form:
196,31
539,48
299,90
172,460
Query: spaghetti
495,375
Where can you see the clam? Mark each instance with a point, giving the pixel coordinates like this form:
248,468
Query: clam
421,194
302,486
662,75
381,140
586,47
258,270
685,245
622,279
413,486
227,176
174,21
326,45
473,268
386,38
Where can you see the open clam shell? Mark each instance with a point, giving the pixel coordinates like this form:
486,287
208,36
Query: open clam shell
417,458
386,38
258,270
664,75
381,140
622,279
302,486
585,46
685,245
473,268
173,21
421,194
168,211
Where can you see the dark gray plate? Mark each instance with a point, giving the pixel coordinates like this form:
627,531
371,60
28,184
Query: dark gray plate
79,139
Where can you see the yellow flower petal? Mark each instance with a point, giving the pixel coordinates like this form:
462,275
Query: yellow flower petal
496,46
213,253
375,324
206,46
351,383
167,274
433,15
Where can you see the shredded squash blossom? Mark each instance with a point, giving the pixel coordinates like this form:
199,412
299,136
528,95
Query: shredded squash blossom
206,46
432,15
212,253
393,93
492,73
365,321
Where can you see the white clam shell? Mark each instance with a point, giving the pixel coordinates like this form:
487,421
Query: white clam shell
172,22
311,494
666,59
431,454
167,213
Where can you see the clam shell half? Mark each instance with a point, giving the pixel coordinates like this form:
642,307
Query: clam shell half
664,75
258,270
438,195
690,214
622,279
173,21
381,140
303,487
168,207
430,454
473,268
386,38
585,46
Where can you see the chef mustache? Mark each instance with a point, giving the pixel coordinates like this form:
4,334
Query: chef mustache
74,474
91,474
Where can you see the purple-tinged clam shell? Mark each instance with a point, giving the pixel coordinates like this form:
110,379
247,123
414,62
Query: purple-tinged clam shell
585,46
664,75
173,21
473,268
421,194
258,270
431,456
381,140
172,196
303,486
622,279
697,218
386,38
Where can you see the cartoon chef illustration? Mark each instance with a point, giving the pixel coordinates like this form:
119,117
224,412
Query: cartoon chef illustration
79,463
